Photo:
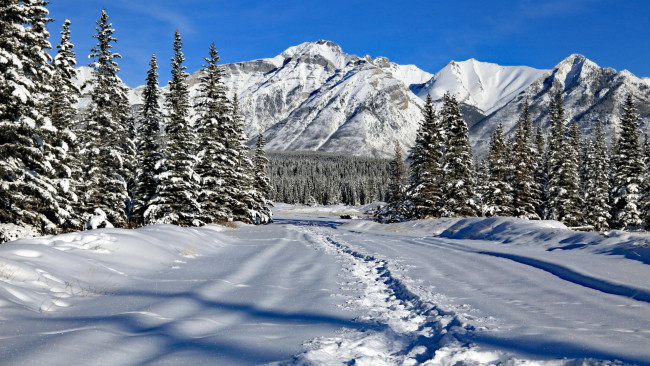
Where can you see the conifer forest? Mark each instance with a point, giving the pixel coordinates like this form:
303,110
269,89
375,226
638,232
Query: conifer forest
185,161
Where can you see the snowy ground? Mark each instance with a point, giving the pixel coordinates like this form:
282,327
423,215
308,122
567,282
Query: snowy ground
315,289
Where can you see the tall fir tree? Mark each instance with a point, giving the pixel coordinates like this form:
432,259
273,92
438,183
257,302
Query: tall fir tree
425,191
563,187
28,193
541,170
628,173
396,209
61,138
524,162
596,182
149,151
214,124
260,162
251,206
175,201
109,152
458,179
498,193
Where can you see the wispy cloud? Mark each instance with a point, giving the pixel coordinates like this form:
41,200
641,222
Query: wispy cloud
158,11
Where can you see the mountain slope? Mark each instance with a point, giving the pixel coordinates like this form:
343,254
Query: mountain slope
484,85
589,92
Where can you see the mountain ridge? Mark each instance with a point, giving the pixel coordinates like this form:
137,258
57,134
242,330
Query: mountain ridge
314,96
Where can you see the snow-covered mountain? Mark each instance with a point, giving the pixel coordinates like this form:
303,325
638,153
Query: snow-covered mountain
589,93
484,85
314,96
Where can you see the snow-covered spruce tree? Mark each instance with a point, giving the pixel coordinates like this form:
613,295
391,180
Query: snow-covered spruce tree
563,188
425,191
396,209
108,152
61,139
524,161
27,188
628,173
175,201
149,152
458,179
497,194
215,162
596,183
251,205
541,171
260,162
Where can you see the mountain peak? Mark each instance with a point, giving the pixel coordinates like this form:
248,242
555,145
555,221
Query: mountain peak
328,50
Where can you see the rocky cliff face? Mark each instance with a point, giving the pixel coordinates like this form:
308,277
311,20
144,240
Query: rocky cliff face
589,93
314,96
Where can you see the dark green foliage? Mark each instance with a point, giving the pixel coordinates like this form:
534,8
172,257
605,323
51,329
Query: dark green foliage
458,179
175,201
217,163
28,193
327,179
150,157
596,182
497,197
628,171
425,191
396,209
109,152
563,187
524,162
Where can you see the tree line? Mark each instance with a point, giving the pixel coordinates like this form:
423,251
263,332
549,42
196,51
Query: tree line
312,178
577,180
61,170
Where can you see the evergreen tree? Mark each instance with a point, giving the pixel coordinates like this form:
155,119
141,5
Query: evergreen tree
175,201
526,194
596,183
628,173
396,209
150,157
458,179
497,197
425,191
541,171
61,140
563,190
253,206
109,152
260,162
27,188
216,166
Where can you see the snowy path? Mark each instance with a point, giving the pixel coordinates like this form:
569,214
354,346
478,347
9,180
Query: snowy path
314,289
252,295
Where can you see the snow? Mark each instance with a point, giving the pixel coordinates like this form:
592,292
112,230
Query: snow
484,85
316,289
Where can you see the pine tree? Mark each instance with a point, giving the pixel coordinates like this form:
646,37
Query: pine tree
596,183
149,152
254,206
425,191
109,152
497,197
526,194
214,123
628,173
563,190
260,162
61,139
175,201
27,188
396,207
541,171
458,179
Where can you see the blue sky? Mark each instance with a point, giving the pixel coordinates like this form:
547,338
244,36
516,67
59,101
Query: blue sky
426,33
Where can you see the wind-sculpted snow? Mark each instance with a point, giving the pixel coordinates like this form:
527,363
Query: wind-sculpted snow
313,288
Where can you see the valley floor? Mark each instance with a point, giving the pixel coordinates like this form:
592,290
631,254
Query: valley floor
312,288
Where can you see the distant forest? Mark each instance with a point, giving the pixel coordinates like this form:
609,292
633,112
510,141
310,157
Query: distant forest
325,178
